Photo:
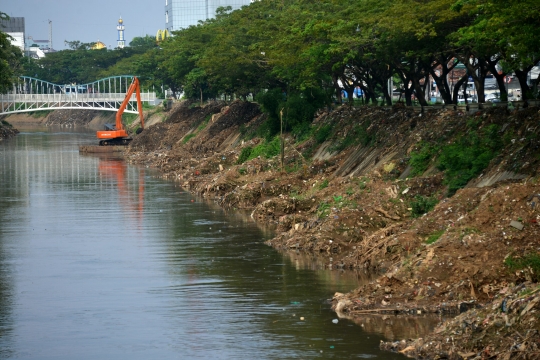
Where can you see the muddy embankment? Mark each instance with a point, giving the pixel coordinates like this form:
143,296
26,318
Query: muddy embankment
349,195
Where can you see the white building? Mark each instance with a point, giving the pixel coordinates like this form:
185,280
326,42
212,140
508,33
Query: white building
14,27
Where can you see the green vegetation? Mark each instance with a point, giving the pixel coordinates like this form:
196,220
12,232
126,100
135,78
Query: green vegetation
244,155
199,128
358,135
323,209
323,133
421,205
266,149
290,112
469,156
362,183
129,118
299,56
323,184
435,236
528,262
422,158
188,137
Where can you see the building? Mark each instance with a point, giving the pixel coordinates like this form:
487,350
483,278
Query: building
180,14
120,27
14,27
98,46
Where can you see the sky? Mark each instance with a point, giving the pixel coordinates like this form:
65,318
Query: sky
87,20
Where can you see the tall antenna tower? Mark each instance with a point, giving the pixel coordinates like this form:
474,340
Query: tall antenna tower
50,35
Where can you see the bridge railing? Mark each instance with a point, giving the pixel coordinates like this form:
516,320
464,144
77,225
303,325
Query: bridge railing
30,94
75,97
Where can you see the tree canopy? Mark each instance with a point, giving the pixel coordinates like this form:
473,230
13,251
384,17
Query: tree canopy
10,59
326,47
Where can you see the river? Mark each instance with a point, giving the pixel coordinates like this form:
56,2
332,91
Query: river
103,260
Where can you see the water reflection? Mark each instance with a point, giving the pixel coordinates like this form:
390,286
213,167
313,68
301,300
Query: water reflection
114,169
395,327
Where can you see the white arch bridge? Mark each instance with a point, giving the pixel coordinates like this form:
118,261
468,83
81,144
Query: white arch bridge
31,94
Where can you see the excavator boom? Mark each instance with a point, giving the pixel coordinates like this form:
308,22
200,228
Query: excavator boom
116,134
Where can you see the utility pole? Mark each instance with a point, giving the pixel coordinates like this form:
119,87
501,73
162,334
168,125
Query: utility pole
282,142
50,35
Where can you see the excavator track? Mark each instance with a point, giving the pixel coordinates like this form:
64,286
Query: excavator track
115,142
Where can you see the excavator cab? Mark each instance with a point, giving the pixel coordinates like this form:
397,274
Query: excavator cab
116,134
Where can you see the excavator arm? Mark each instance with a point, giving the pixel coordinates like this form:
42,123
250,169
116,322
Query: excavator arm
117,135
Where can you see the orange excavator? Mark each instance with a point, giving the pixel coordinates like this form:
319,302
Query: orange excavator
116,134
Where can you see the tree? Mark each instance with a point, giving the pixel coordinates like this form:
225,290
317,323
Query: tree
147,42
510,27
10,59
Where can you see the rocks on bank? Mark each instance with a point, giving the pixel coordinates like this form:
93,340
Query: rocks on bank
7,130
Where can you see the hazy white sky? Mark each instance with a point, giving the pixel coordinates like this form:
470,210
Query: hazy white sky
87,20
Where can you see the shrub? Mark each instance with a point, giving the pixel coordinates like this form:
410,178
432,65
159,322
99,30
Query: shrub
421,159
298,110
421,205
267,149
469,156
244,155
323,133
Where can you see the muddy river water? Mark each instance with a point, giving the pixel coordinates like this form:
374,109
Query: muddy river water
103,260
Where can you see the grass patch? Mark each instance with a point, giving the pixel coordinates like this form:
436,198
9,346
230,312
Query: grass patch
188,137
324,184
199,128
434,237
129,118
527,262
323,209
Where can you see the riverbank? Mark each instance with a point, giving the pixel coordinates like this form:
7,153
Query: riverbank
372,188
7,130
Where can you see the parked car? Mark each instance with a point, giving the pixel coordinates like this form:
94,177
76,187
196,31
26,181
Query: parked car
493,97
